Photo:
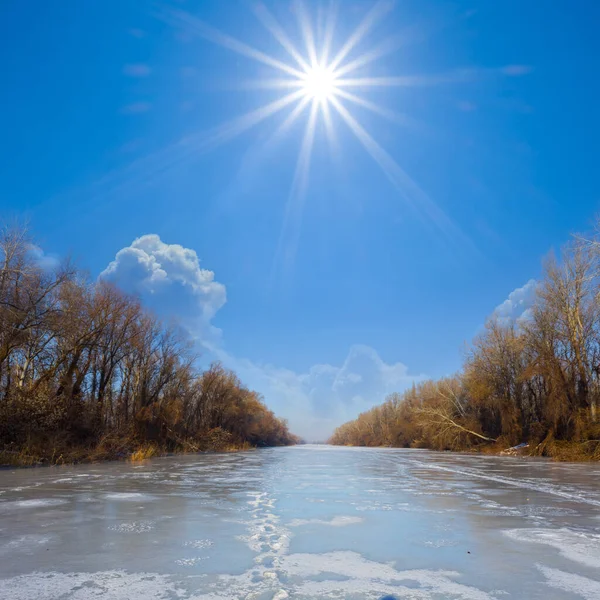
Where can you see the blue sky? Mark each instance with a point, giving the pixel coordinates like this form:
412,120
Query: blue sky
114,127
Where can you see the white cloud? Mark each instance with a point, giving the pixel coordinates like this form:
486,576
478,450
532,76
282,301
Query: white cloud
517,306
47,262
170,279
323,397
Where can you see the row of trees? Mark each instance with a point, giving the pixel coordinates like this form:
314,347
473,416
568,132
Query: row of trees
536,379
83,365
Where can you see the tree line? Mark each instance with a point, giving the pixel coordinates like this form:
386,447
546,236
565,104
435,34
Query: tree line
532,380
87,372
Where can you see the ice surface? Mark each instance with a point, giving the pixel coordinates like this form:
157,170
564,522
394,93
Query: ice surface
339,521
302,523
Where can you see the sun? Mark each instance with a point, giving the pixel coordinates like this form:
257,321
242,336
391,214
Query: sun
319,83
326,80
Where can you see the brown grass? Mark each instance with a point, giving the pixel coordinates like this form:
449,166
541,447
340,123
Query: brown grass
45,452
238,447
11,458
144,452
568,451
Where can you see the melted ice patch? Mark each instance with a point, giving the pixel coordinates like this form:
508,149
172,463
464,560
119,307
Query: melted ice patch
583,548
340,521
34,503
127,496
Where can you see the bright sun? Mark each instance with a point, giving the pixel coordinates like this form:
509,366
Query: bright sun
319,83
326,82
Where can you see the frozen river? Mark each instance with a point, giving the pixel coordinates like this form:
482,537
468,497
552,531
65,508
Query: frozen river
306,522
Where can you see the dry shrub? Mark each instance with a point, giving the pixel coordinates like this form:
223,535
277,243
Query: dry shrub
112,446
144,452
13,458
217,440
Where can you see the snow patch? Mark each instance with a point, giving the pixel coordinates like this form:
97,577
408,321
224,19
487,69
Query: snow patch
190,562
133,527
109,585
583,548
569,582
199,544
369,579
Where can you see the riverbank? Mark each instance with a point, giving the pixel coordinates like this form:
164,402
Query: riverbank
87,373
556,450
114,448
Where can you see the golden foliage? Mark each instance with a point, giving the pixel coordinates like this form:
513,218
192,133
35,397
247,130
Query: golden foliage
535,380
86,373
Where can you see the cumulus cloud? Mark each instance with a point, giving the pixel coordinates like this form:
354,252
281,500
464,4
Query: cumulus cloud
170,279
517,307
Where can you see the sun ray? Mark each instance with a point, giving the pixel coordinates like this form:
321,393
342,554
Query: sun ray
184,19
386,47
409,35
376,13
307,31
146,170
329,30
265,84
291,118
460,76
251,119
290,231
329,130
388,114
301,176
263,152
269,21
415,197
